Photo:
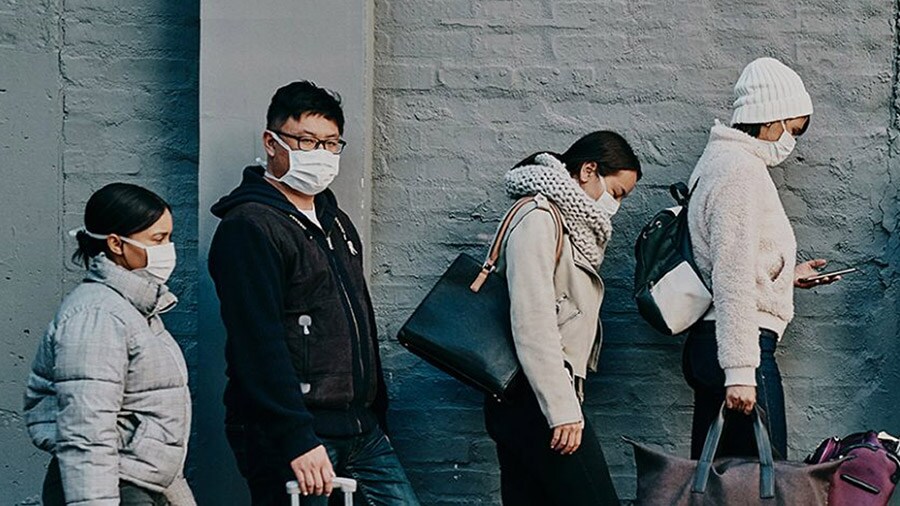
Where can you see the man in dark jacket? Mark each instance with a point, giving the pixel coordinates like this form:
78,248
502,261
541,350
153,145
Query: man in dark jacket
305,395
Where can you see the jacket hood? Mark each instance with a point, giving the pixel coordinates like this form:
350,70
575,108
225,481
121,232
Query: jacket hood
255,189
723,134
147,296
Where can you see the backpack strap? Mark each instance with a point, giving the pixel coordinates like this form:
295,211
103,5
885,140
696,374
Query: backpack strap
681,194
490,264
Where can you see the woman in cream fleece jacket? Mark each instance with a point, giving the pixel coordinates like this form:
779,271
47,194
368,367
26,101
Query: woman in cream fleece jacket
547,449
745,248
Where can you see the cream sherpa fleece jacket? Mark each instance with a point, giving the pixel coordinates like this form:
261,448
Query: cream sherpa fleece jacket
743,245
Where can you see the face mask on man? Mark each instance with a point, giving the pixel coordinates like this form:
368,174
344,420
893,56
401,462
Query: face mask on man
779,150
606,201
310,172
161,258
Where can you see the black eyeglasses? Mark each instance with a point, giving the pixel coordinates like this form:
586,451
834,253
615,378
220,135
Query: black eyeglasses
306,143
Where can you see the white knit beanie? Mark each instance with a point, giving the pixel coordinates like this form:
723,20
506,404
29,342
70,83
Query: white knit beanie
768,91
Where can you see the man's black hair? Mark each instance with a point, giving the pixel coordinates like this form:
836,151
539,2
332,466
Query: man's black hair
304,97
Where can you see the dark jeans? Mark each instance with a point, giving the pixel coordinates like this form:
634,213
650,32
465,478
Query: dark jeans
129,493
700,365
533,474
368,458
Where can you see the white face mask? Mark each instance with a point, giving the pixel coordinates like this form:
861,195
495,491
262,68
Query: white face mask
779,150
310,172
606,201
161,258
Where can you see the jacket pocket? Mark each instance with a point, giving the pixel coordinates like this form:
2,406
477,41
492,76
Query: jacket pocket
566,311
149,459
777,268
128,427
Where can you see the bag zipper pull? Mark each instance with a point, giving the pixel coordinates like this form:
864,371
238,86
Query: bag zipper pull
328,240
352,248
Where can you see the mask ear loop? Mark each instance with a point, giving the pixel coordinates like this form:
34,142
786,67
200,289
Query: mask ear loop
279,141
605,186
264,163
101,237
785,128
123,241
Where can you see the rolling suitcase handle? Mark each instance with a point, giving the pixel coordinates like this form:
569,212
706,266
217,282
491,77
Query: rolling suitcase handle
345,485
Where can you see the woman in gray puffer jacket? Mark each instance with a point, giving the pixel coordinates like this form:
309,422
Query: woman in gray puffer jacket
108,394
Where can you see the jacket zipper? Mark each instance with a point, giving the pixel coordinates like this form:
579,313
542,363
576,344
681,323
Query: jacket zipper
359,343
186,394
358,334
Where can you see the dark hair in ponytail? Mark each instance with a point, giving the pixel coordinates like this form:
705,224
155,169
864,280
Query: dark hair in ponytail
118,208
609,150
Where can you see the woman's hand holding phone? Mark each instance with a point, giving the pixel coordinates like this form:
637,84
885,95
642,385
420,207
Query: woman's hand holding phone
806,274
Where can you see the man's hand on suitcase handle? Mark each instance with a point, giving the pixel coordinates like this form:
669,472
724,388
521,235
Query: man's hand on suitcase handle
314,472
567,438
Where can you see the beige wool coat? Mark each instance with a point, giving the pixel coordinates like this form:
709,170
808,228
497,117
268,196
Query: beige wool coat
555,310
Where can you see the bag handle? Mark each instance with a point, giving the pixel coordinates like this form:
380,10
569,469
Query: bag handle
490,264
763,445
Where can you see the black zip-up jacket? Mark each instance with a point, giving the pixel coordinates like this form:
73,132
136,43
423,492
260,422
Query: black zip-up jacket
301,348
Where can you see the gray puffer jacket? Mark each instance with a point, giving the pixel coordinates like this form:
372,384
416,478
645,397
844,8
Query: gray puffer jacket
108,391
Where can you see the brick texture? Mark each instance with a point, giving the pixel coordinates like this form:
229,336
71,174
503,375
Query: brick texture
464,89
130,77
125,78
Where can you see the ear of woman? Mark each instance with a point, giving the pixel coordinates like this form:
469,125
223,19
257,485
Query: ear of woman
589,180
115,245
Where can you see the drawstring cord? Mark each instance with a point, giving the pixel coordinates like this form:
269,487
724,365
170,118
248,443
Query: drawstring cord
350,245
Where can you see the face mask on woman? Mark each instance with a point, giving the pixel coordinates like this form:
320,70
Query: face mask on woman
606,201
310,172
779,150
161,258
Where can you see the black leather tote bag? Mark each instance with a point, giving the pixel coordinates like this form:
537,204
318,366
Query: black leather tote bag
463,325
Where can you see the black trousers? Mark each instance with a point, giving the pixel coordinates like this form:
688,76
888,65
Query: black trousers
700,365
533,474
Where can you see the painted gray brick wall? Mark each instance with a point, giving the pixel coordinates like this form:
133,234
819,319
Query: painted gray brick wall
99,91
30,244
91,92
129,74
466,88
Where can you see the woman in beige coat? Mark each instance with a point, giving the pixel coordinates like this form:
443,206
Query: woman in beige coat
547,450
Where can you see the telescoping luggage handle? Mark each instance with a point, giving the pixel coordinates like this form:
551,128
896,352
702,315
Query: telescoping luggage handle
345,485
490,264
766,462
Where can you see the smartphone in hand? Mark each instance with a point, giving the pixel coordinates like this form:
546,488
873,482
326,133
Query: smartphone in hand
827,275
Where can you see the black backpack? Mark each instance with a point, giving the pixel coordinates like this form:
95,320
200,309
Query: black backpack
668,288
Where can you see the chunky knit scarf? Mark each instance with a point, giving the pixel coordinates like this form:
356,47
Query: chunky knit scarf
589,226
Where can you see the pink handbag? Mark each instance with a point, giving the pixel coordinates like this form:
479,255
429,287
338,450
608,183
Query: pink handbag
868,474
